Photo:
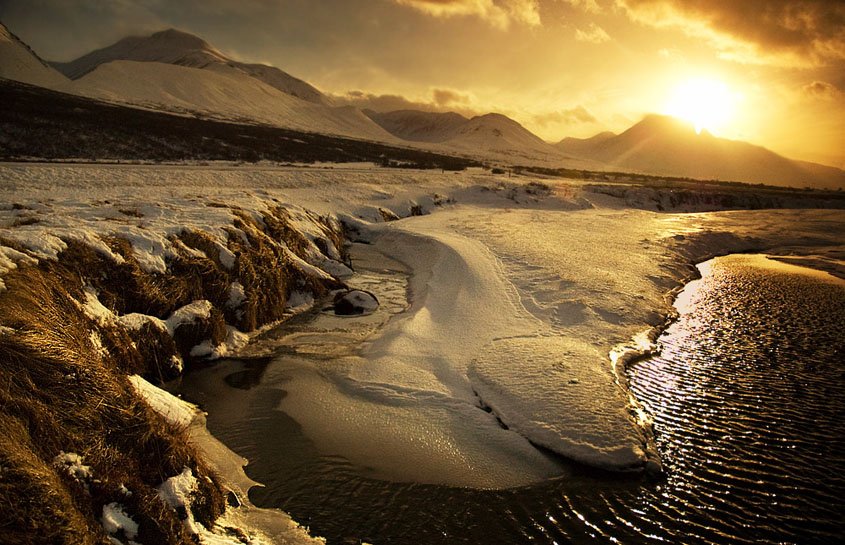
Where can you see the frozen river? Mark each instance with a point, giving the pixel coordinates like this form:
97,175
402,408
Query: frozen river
357,446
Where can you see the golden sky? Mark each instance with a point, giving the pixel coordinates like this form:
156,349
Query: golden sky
769,72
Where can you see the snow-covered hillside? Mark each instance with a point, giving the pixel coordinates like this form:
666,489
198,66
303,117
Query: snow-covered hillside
490,136
183,49
18,62
220,94
671,147
419,126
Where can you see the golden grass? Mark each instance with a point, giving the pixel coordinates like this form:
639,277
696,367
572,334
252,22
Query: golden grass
63,384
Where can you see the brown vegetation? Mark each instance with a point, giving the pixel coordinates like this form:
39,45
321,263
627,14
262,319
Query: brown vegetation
64,386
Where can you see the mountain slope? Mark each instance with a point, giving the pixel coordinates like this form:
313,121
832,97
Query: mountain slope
492,135
183,49
18,62
221,95
667,146
419,126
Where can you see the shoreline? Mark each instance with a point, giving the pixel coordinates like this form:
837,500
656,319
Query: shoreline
527,246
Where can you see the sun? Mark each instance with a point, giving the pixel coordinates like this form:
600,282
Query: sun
707,103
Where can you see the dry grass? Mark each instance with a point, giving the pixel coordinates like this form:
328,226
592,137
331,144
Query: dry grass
58,393
63,383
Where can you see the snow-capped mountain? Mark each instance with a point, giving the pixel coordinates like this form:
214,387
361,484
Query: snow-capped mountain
18,62
490,135
419,126
667,146
223,95
183,49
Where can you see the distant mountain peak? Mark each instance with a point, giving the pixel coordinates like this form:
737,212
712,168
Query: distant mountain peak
173,46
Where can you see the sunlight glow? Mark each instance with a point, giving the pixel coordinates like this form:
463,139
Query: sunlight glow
707,103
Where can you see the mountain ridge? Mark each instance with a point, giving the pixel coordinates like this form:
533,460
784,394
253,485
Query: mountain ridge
669,146
181,48
179,72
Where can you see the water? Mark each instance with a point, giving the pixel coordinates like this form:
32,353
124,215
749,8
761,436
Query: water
748,402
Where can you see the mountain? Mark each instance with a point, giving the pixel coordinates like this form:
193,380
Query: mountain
419,126
667,146
226,95
583,145
183,49
489,136
18,62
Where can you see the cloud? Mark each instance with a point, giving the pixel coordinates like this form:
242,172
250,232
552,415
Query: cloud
441,100
572,116
778,32
444,97
499,13
671,53
821,90
594,34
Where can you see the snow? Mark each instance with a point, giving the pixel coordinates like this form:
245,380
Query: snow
190,313
9,258
299,301
116,520
526,302
237,295
176,412
220,94
97,342
136,321
176,492
180,48
94,309
235,340
19,63
71,463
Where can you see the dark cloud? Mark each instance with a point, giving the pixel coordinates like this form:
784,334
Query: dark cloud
768,31
444,97
443,100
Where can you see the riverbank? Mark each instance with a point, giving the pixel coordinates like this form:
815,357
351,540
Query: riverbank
181,261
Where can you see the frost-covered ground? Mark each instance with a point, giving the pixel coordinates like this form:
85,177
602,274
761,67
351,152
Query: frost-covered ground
524,294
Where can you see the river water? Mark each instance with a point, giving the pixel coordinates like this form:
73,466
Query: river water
747,398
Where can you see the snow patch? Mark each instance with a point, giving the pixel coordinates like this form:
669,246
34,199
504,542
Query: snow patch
8,258
299,301
136,321
71,463
235,340
115,521
95,310
97,341
237,295
176,493
190,313
175,411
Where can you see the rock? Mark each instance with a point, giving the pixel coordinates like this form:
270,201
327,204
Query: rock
355,302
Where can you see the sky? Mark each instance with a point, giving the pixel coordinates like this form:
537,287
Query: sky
768,72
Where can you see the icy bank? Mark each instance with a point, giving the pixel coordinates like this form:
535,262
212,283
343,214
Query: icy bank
522,312
520,292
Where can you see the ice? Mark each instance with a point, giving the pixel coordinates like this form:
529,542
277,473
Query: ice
532,300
